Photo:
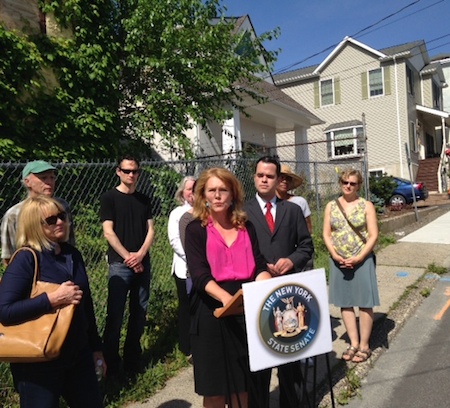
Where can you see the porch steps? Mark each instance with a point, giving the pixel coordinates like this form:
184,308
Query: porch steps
427,173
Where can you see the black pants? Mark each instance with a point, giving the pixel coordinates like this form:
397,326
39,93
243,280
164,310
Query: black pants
259,390
183,316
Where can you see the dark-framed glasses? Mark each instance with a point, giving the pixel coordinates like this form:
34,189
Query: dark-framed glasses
129,171
53,219
351,183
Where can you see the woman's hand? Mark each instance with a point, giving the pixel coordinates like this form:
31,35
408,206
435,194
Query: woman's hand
226,298
263,276
67,294
338,259
351,262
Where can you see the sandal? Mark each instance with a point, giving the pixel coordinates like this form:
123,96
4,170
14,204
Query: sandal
361,356
348,354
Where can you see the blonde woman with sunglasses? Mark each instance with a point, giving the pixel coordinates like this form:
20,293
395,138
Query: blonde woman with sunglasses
350,232
43,226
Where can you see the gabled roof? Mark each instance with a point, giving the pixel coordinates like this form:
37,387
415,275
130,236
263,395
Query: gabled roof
434,68
402,50
340,47
291,76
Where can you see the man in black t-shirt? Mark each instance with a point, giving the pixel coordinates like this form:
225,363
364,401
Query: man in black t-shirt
127,222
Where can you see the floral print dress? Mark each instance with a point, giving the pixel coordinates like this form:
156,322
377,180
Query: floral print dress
345,241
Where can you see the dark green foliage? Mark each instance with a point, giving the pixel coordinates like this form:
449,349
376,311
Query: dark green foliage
378,202
382,187
129,70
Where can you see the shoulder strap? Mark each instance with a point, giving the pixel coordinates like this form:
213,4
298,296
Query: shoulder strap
364,240
36,267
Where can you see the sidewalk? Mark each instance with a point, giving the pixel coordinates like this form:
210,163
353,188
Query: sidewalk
398,266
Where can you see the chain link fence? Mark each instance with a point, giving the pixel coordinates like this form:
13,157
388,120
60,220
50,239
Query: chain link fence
82,184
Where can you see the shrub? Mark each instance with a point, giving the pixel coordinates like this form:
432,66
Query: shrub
383,187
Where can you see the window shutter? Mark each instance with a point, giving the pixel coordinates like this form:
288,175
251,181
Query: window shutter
328,134
337,90
387,80
364,91
316,95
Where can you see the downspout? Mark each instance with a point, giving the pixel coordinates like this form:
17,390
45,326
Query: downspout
397,105
443,157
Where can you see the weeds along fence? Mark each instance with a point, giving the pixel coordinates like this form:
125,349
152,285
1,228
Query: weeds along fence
82,184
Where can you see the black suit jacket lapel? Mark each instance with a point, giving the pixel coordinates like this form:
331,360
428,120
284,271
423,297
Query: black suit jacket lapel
280,214
258,216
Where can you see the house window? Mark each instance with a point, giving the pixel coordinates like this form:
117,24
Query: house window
410,80
377,174
412,137
436,96
326,92
345,142
376,82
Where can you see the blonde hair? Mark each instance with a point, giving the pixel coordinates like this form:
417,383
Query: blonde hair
29,225
237,215
351,172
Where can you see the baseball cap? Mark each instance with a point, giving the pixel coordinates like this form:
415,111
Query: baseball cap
36,167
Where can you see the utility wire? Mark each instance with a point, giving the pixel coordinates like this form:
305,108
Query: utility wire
331,47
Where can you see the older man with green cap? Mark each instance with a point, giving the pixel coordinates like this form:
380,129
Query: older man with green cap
39,177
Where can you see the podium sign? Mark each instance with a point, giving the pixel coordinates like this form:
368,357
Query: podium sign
287,318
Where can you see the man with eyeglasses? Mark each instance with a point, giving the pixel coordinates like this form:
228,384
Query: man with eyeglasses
126,217
39,178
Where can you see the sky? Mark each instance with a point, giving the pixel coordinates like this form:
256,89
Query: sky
309,27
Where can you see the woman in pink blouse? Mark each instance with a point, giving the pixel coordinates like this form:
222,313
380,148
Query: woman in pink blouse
222,253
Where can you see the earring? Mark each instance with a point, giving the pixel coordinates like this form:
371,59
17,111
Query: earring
207,204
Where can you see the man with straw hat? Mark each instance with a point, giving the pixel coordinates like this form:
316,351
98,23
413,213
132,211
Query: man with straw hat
290,181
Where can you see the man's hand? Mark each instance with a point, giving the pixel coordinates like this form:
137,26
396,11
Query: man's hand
282,266
133,260
139,268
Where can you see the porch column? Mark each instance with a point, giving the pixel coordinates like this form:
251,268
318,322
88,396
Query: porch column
231,135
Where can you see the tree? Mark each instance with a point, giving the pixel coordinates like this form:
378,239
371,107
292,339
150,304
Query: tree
132,68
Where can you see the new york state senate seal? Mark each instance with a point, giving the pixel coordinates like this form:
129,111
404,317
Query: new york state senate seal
289,319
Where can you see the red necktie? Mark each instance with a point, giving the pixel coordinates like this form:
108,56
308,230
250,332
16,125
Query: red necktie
269,217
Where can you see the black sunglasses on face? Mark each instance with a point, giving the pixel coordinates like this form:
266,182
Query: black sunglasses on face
352,183
53,219
128,171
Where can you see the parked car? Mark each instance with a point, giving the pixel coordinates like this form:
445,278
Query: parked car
403,193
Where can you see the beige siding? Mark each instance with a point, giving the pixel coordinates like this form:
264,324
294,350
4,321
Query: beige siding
385,145
427,87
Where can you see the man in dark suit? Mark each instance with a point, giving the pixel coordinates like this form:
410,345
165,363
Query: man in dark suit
286,244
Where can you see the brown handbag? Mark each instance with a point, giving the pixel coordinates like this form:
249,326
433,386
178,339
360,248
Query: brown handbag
39,339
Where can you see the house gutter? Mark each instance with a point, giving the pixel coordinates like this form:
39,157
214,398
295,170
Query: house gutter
397,106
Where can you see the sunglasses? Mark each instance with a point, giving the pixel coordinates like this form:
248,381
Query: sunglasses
53,219
128,171
346,183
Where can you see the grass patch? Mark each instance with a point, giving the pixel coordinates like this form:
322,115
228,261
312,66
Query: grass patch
439,270
351,387
425,292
